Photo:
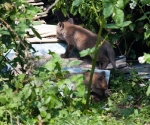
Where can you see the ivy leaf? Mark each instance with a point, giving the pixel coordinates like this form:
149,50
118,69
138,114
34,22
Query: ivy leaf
118,16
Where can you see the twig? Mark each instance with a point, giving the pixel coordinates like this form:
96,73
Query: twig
9,27
129,48
50,7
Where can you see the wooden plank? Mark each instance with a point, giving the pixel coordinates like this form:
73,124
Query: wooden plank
31,1
43,40
44,29
37,4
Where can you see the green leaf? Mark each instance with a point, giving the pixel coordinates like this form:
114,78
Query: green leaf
147,57
21,77
148,91
88,51
120,4
2,109
77,2
124,24
65,91
28,93
53,89
50,65
144,2
80,90
108,10
147,34
3,99
112,26
118,16
3,31
47,100
136,112
84,52
132,26
74,63
141,18
35,32
43,112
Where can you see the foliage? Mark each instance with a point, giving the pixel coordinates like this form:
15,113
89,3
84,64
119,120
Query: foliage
147,57
126,22
46,96
15,17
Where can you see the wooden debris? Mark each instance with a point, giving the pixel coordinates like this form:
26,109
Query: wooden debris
44,29
43,40
37,4
32,1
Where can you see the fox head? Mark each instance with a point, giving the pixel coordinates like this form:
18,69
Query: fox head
61,28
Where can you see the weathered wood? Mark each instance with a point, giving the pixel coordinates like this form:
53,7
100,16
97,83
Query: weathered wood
38,17
43,40
44,29
40,21
37,4
31,1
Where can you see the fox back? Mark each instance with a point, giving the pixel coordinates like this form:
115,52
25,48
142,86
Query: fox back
81,38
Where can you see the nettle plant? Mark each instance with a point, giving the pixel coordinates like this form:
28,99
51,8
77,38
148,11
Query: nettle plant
126,22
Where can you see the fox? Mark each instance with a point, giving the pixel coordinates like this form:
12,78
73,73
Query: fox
98,87
81,38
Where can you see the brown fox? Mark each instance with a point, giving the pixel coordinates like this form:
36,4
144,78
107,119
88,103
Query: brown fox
98,87
81,38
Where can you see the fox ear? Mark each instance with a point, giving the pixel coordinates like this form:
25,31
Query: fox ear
61,25
70,20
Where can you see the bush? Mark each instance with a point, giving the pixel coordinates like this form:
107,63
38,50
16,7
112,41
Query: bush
45,96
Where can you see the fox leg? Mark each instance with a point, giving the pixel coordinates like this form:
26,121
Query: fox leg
70,47
105,61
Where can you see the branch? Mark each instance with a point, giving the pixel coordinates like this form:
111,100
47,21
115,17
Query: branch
50,7
9,27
